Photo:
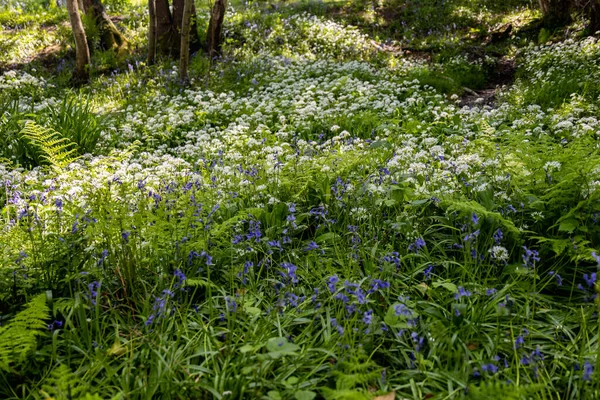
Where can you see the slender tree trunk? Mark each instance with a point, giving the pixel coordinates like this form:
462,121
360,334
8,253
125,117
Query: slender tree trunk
556,12
184,52
215,29
594,14
152,32
110,37
178,13
82,52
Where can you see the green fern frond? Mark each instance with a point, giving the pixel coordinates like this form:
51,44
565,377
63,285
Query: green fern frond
18,339
7,163
503,391
57,150
65,384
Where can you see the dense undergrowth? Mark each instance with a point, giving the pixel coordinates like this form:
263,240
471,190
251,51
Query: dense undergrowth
314,217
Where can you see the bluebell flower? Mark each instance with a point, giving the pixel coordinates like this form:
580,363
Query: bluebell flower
588,370
418,341
392,258
462,292
290,272
331,282
231,304
75,224
402,310
93,288
490,368
537,354
312,246
275,244
559,280
341,296
367,317
498,236
292,207
55,325
207,257
530,257
355,290
417,245
339,328
475,219
590,280
125,236
293,300
254,231
428,272
318,212
519,341
237,239
471,236
149,320
491,291
180,276
378,284
103,256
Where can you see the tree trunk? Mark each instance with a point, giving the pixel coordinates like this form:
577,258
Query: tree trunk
556,12
594,14
110,37
168,29
152,32
215,29
166,36
184,52
178,13
82,52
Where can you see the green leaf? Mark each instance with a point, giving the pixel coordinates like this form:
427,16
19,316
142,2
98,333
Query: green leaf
274,395
252,310
451,287
304,395
280,346
327,237
378,144
249,348
568,225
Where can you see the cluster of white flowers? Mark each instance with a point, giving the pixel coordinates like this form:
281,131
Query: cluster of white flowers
15,80
301,34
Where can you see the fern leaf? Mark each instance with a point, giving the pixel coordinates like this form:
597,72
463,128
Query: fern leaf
18,339
58,151
65,384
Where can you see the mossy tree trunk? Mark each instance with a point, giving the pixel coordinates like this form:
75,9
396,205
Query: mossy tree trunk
556,12
82,51
215,29
110,37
